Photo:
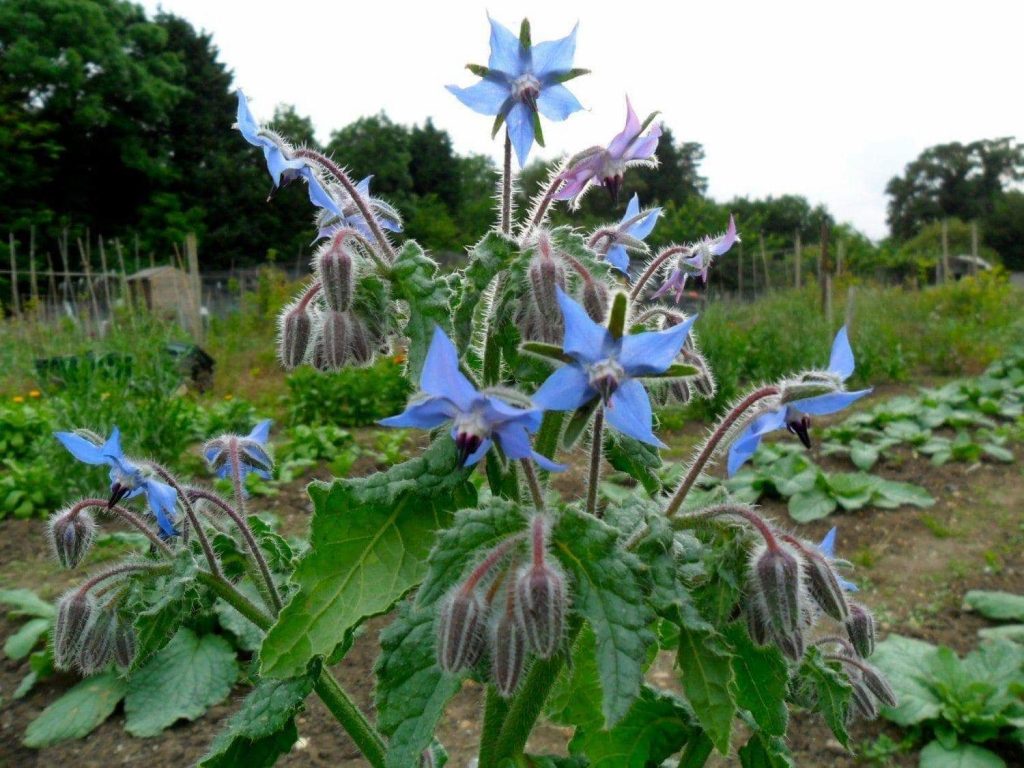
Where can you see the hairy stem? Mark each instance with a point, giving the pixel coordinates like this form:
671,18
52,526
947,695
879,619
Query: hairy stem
653,267
128,516
495,712
712,444
120,570
731,510
225,590
506,187
190,512
547,436
596,450
531,480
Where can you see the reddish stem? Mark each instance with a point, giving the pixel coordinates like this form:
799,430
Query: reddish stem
653,267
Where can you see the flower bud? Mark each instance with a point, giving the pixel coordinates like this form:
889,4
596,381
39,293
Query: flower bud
540,607
595,300
790,643
295,330
125,645
545,275
98,643
824,586
777,579
863,702
74,613
508,653
860,628
361,344
334,340
756,626
71,535
335,268
460,636
876,682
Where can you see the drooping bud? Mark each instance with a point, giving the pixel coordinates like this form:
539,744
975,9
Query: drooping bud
860,628
540,596
863,701
71,534
336,270
294,333
508,653
756,626
334,340
74,613
824,585
545,276
595,300
876,682
98,643
125,645
460,635
777,579
791,644
361,344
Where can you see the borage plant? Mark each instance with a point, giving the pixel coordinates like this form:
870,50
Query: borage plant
540,352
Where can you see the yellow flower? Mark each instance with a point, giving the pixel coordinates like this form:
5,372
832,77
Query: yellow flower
229,396
33,393
18,399
104,395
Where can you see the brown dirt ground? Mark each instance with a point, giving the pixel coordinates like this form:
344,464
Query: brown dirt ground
914,567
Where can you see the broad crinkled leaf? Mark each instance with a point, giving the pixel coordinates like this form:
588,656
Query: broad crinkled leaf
833,692
25,602
20,644
963,755
1000,606
907,663
76,713
575,699
414,278
638,460
188,676
368,547
486,260
264,728
812,505
763,751
707,677
762,677
160,605
607,591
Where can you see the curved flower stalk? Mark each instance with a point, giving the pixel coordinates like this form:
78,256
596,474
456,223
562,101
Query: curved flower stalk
127,479
794,415
478,420
521,82
329,223
696,260
607,166
228,455
629,235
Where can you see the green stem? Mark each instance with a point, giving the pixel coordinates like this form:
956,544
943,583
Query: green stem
227,592
495,712
596,451
547,437
506,187
531,480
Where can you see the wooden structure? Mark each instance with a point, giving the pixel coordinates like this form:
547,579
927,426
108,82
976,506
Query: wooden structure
163,290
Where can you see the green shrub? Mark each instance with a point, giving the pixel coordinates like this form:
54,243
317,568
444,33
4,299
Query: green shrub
352,397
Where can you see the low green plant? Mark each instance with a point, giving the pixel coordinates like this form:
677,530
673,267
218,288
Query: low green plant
1001,607
29,641
351,397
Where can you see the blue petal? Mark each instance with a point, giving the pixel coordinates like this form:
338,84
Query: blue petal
629,411
545,463
633,209
618,258
848,586
318,196
363,187
584,340
247,124
827,547
556,102
507,55
162,499
497,411
644,226
745,444
213,451
485,97
841,361
565,390
520,129
80,448
514,441
478,454
261,432
825,404
278,165
555,56
423,414
441,376
653,351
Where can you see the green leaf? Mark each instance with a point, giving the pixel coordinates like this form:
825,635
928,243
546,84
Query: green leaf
160,604
264,728
962,756
833,692
639,460
575,699
1000,606
890,494
187,677
368,546
609,595
414,278
762,677
1012,632
707,677
20,644
907,664
698,750
863,456
811,505
247,635
852,490
25,602
412,690
77,712
763,751
488,257
655,728
997,452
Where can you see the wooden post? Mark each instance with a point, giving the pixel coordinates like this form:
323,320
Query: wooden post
798,272
945,250
51,279
764,263
33,284
850,293
739,272
123,282
62,245
974,247
106,280
195,284
823,270
88,283
840,256
15,300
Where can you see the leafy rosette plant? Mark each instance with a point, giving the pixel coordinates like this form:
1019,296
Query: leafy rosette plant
556,603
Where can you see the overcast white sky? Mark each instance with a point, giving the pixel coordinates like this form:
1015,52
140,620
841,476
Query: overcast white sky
824,99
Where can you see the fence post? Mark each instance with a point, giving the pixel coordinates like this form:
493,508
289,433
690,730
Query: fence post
195,285
945,250
974,247
15,301
106,280
799,261
33,283
93,302
764,263
823,269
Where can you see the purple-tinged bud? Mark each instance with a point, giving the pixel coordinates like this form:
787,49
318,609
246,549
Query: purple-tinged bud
545,276
540,602
334,340
98,643
860,628
791,644
125,645
508,653
71,534
427,759
863,701
336,270
296,328
361,344
876,682
595,300
756,626
823,584
74,613
777,579
460,631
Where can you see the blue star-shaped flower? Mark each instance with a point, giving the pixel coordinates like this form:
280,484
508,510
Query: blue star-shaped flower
634,225
282,166
520,81
252,453
478,419
827,547
606,367
795,416
387,217
127,480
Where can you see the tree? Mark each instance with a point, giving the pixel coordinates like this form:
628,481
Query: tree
952,180
375,145
779,217
433,166
1003,229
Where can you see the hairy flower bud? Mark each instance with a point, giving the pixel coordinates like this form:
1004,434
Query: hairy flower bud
860,628
824,585
545,275
460,631
791,644
336,269
863,702
295,330
595,300
876,682
335,339
756,626
98,643
777,579
71,535
540,607
125,645
508,653
74,614
361,344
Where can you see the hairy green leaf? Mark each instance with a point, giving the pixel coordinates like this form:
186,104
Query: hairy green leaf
832,689
414,278
764,751
708,681
906,663
639,460
486,260
762,677
77,712
20,644
961,756
1000,606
